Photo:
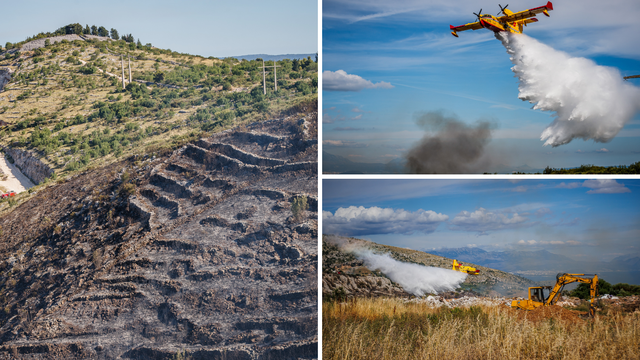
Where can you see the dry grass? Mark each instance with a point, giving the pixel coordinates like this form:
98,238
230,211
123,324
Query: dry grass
391,329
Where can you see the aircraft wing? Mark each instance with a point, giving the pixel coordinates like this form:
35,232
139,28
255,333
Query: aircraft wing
525,14
470,26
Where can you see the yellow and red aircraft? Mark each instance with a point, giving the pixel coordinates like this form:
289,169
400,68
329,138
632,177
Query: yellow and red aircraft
510,21
464,268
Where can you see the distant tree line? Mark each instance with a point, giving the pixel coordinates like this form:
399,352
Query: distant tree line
621,289
592,169
78,30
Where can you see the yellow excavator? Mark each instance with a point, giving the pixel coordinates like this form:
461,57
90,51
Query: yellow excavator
537,297
465,269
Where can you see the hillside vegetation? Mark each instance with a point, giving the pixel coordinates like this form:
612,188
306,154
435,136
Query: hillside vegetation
65,98
592,169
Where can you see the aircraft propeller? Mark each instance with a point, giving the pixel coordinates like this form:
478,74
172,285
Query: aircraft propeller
478,16
502,9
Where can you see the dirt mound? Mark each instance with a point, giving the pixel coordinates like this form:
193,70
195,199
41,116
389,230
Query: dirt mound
552,312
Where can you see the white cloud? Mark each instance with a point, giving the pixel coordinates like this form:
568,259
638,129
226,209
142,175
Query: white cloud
571,185
605,186
552,242
543,211
374,220
527,242
483,220
341,81
342,143
328,119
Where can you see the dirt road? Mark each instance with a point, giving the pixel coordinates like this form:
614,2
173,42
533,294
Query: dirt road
15,181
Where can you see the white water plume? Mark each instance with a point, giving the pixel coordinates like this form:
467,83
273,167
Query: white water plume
589,101
415,279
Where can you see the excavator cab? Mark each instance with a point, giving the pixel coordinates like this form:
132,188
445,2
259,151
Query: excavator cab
538,296
538,293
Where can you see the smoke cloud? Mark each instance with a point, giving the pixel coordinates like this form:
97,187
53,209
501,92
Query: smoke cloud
415,279
588,101
450,146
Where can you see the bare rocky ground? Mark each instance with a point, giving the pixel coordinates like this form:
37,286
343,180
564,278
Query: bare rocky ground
192,255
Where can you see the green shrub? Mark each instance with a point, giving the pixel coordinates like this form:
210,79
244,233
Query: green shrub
298,207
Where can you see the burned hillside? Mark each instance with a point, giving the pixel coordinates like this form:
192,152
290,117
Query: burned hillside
195,253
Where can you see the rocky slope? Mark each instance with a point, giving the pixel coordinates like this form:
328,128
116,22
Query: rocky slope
195,255
29,164
343,269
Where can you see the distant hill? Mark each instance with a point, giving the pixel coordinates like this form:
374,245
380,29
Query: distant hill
336,164
527,261
510,169
275,57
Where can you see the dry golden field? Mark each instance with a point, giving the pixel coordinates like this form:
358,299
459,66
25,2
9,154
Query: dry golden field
393,329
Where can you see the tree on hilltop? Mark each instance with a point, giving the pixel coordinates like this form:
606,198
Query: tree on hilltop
73,29
94,30
87,30
102,31
114,34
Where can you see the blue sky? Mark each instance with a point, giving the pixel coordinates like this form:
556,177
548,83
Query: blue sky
413,64
581,219
207,28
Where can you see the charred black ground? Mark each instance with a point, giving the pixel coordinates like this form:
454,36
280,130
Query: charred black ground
194,254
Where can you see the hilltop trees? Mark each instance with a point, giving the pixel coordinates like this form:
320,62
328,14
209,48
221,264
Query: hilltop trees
87,30
114,34
102,31
94,30
73,29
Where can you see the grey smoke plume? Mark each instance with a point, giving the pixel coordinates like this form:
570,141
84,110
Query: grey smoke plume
415,279
450,146
588,101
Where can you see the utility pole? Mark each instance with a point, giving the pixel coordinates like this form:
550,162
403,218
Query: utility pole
122,62
275,74
129,57
264,78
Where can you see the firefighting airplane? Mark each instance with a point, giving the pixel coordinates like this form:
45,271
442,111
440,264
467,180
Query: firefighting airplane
510,21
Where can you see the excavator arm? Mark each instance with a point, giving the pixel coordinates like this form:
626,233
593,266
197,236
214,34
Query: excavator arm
564,279
537,299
